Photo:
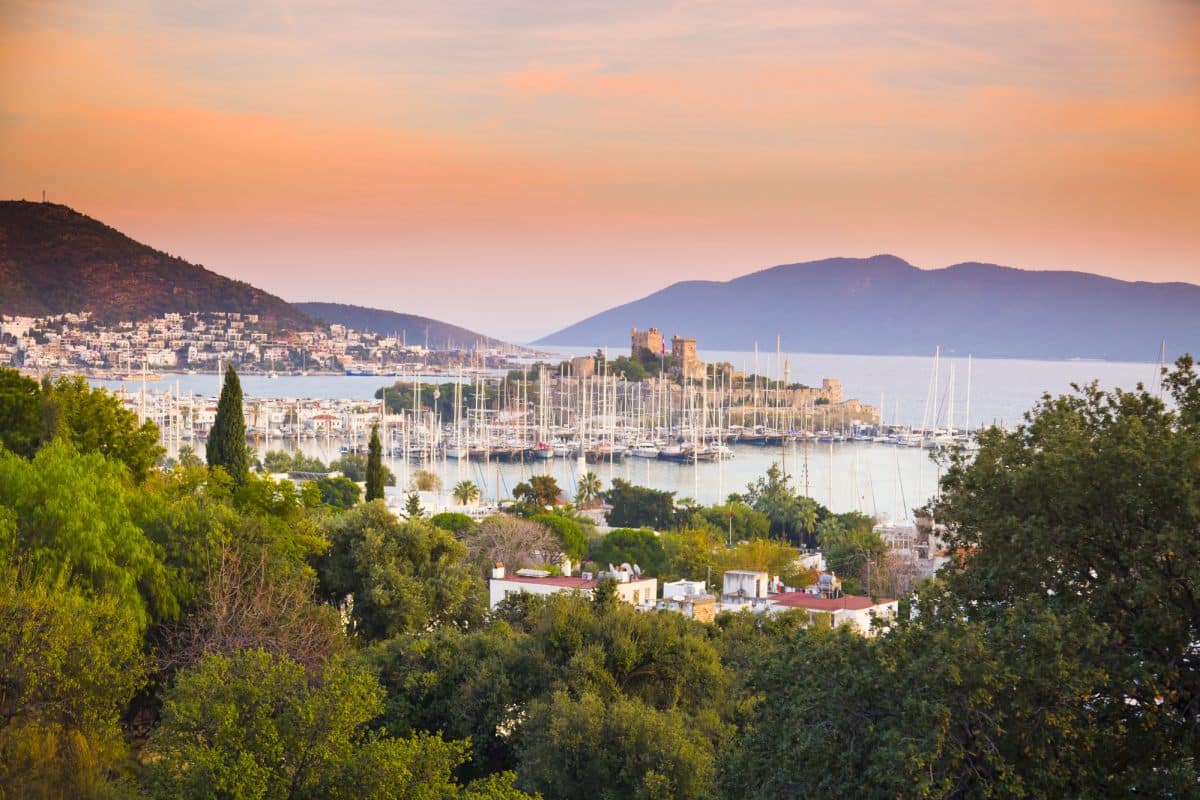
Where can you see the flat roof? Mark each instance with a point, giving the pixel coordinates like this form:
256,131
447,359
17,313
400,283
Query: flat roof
571,581
851,602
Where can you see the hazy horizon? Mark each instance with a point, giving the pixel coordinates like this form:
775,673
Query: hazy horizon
513,169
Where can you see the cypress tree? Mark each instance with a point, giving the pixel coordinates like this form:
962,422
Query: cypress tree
226,445
374,467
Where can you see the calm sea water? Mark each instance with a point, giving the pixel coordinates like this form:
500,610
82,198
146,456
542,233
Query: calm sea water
877,479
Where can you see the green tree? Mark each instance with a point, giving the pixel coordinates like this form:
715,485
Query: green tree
412,507
737,521
1091,507
188,458
618,749
573,540
354,467
75,522
466,492
690,553
374,466
95,422
226,445
256,726
403,576
339,492
588,491
69,666
541,491
954,710
456,523
633,546
20,413
852,547
637,506
792,517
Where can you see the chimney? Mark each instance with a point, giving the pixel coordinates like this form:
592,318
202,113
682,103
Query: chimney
498,571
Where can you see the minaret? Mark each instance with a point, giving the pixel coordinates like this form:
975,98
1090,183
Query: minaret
787,372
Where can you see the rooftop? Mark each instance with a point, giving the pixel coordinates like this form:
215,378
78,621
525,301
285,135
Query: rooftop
851,602
572,581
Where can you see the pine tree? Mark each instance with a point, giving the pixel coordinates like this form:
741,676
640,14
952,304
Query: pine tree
226,445
374,467
412,507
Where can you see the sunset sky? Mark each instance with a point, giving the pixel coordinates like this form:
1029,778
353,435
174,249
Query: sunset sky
514,166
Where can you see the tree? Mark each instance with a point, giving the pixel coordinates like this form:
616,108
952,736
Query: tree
737,521
374,466
226,445
403,576
412,507
354,467
69,666
74,521
633,546
792,517
456,523
466,492
570,535
1092,507
254,602
637,506
187,457
588,491
257,726
541,491
20,413
95,422
954,710
339,492
766,555
852,548
425,481
513,542
617,748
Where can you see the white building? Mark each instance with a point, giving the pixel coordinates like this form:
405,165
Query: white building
636,590
758,593
855,610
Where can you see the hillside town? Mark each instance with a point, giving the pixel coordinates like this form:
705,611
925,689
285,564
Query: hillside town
202,341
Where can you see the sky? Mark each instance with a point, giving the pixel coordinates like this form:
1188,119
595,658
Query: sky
515,166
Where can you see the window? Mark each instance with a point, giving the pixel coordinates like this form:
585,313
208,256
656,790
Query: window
637,597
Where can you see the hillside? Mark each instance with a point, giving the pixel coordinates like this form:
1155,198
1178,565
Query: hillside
884,305
55,260
412,328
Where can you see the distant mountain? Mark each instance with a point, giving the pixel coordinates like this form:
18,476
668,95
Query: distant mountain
412,328
54,260
884,305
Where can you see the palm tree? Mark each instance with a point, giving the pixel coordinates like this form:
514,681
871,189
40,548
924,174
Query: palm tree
466,492
589,489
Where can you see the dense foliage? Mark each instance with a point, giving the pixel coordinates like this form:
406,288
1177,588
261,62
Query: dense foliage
176,633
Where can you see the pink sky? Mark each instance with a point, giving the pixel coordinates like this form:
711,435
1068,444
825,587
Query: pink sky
515,166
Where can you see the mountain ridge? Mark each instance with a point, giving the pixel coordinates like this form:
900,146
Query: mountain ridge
385,322
883,305
56,260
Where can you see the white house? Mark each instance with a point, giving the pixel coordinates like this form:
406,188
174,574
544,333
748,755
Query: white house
854,610
636,590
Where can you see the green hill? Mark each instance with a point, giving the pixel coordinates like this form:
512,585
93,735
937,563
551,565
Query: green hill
54,260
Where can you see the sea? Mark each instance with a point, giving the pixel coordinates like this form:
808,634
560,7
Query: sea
883,480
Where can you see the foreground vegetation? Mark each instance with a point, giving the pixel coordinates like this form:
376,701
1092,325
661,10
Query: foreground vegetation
180,632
